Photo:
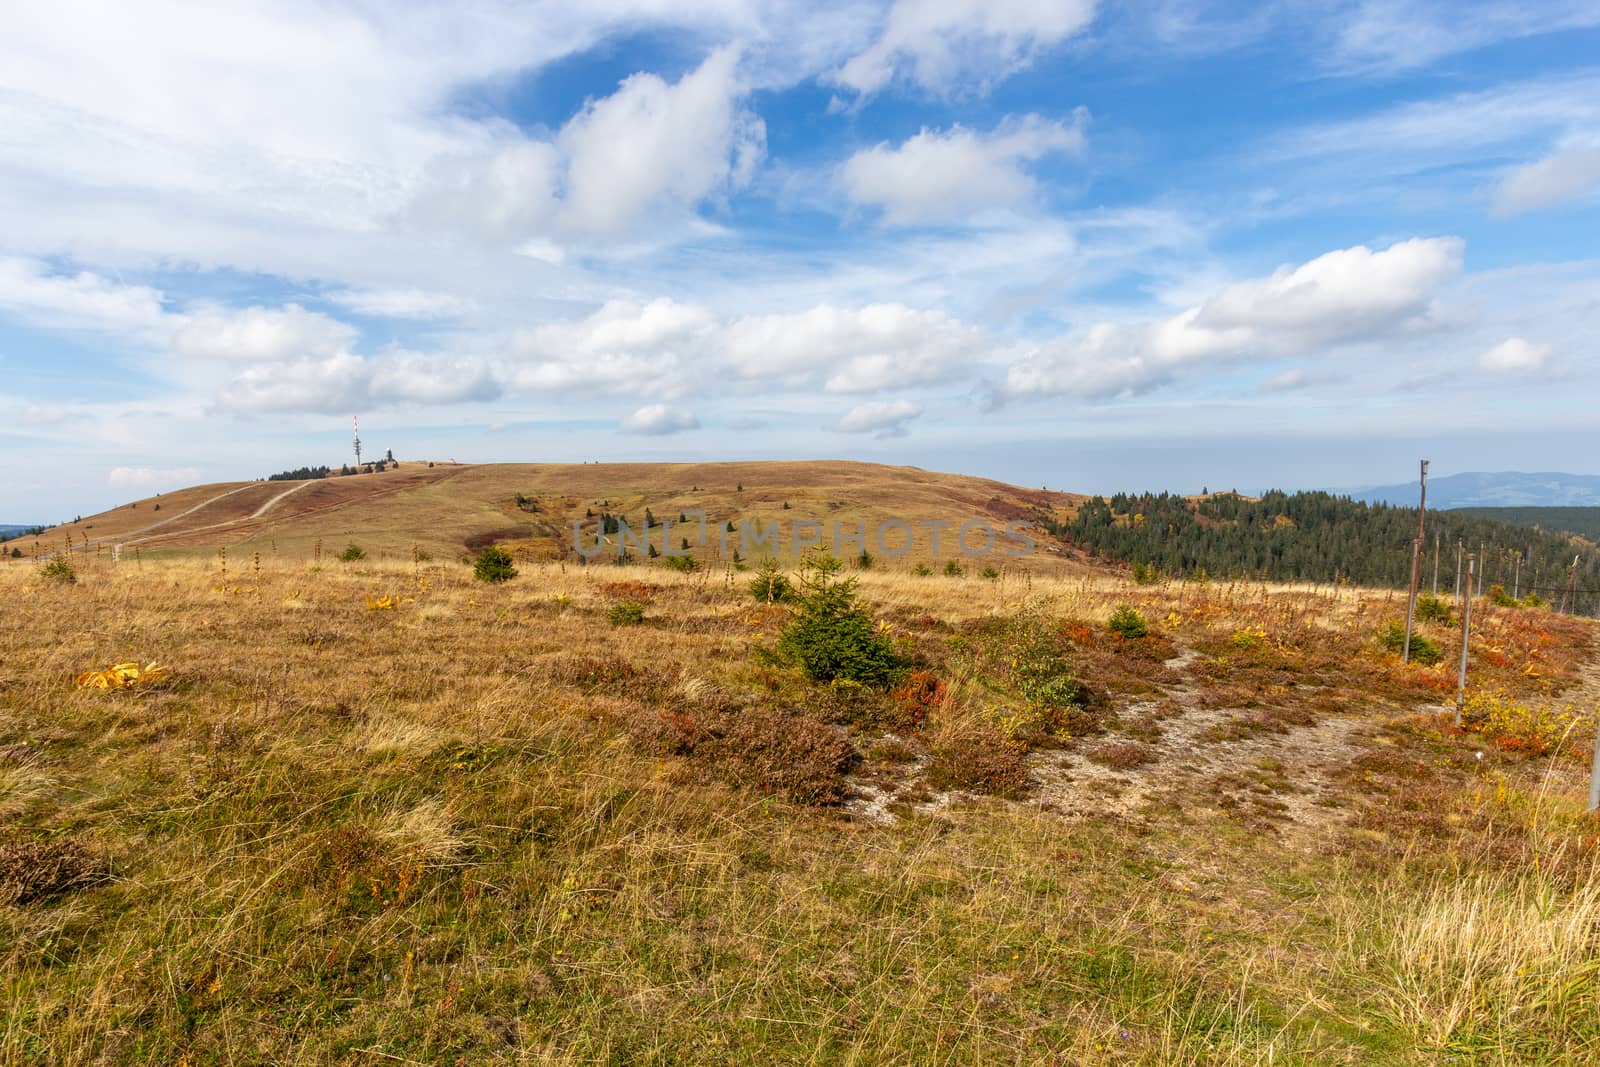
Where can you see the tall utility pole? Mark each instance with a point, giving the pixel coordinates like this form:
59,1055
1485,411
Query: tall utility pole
1460,547
1466,634
1570,593
1416,564
1436,563
355,427
1516,579
1594,777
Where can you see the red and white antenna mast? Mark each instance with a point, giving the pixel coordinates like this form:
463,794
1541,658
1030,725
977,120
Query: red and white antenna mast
355,426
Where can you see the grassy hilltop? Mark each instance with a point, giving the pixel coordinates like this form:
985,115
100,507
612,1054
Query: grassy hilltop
448,510
378,812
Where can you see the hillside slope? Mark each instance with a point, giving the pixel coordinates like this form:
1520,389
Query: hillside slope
449,510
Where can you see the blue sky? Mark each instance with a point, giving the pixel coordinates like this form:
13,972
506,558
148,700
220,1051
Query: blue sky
1093,246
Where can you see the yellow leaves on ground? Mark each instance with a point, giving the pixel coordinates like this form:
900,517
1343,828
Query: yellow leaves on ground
121,676
387,602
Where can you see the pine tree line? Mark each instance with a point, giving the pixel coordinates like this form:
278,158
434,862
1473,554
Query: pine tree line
299,474
22,531
1316,536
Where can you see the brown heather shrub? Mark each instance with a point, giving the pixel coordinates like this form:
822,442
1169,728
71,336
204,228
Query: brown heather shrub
666,732
34,869
613,674
785,752
792,754
853,705
1121,755
976,759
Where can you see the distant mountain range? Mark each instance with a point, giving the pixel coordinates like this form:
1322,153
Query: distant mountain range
1499,489
1584,522
11,531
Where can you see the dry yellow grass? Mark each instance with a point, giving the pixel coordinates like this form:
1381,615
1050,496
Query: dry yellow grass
450,509
457,831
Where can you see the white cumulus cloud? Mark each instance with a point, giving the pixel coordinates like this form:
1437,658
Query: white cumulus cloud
261,334
653,145
880,346
956,173
884,418
642,157
345,382
623,345
659,419
398,376
1514,354
1341,297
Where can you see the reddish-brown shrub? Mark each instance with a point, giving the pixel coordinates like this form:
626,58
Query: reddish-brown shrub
786,752
922,694
631,589
1079,633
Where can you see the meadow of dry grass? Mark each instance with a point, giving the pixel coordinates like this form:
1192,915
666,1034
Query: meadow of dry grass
447,509
485,825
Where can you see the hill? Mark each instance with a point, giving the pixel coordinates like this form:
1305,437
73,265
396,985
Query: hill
1580,522
8,531
1497,489
449,510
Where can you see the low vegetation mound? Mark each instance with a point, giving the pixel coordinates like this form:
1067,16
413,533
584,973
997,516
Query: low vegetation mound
38,869
897,818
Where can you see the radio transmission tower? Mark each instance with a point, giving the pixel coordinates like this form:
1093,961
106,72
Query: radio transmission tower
355,426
